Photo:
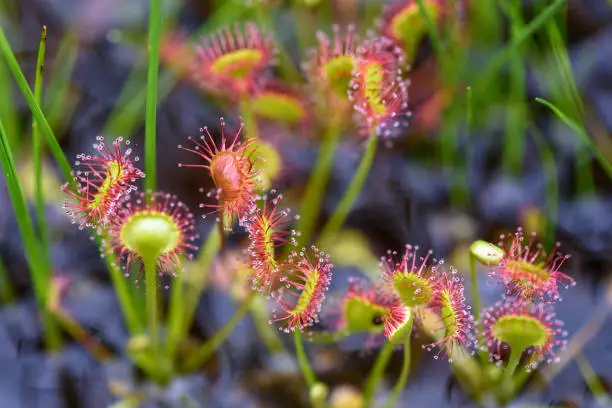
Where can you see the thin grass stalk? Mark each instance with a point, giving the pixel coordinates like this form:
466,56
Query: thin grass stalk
565,94
352,192
120,286
155,24
305,24
551,206
207,349
315,189
38,152
8,111
267,333
263,14
184,300
60,101
376,374
22,83
40,277
7,292
436,41
499,59
580,131
592,380
516,115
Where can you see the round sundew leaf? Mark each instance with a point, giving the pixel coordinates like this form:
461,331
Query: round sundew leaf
530,272
413,290
339,71
362,316
409,25
486,252
228,172
237,64
520,332
266,160
150,234
279,107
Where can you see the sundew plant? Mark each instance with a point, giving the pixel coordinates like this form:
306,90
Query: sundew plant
329,112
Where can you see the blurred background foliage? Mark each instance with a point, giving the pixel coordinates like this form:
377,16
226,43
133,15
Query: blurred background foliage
481,155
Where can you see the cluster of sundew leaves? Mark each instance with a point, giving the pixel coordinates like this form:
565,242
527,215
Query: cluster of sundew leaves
524,320
132,225
365,76
297,281
409,289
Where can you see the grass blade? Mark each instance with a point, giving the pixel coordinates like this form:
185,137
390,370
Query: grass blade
38,151
38,273
22,83
155,23
580,131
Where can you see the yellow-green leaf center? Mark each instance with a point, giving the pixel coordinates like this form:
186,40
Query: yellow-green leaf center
150,234
237,64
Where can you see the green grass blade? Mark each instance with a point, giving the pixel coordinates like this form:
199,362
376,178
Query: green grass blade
8,111
551,206
7,292
580,131
502,56
38,151
436,41
22,83
516,112
155,24
40,278
60,101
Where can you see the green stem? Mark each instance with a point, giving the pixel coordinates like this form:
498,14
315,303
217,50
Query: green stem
150,267
155,23
376,373
38,151
212,344
40,276
248,118
302,359
515,359
474,285
22,83
311,203
122,291
350,196
401,381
